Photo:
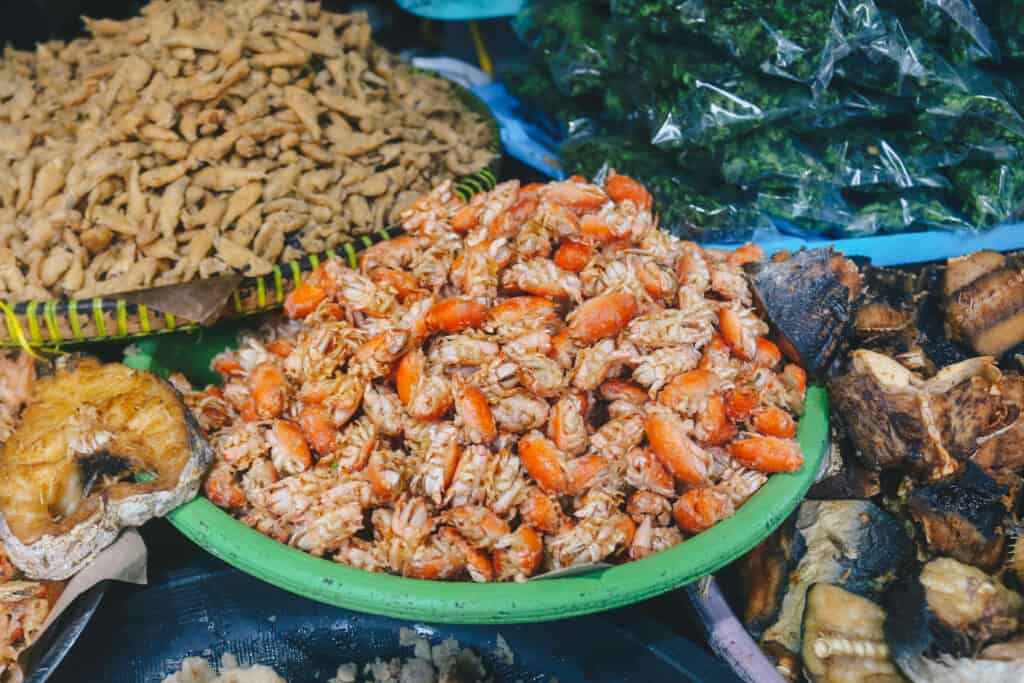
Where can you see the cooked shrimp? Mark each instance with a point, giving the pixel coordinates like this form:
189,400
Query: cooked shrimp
518,555
542,511
767,453
600,317
456,315
269,390
622,188
478,525
520,411
672,444
222,488
288,448
567,426
644,471
474,414
701,508
535,376
573,256
541,277
382,405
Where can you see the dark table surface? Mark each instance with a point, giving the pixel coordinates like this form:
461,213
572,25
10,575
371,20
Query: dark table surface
174,559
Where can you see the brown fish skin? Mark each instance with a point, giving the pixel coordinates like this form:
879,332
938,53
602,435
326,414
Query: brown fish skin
59,511
984,301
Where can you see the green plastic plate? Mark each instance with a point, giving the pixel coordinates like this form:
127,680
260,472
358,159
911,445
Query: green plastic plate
465,602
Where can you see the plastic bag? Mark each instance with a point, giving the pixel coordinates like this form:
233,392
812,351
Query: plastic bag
1005,18
903,213
685,208
771,158
953,25
832,117
816,209
994,194
569,35
866,157
798,41
906,67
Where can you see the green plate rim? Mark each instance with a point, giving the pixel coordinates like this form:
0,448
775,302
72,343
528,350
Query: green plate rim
543,600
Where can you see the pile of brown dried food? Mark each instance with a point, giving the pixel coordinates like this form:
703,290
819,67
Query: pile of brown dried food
203,137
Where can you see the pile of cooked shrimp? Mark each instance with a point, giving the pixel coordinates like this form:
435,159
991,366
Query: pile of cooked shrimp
536,379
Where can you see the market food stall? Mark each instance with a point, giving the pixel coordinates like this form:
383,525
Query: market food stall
378,365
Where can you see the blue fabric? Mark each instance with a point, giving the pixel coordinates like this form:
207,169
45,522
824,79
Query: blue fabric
522,133
462,10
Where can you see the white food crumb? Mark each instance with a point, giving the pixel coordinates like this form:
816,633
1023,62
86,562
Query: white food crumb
503,652
446,662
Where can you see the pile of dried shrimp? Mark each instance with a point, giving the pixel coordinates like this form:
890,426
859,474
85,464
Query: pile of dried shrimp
539,378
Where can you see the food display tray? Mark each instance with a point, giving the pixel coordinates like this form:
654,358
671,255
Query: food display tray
541,599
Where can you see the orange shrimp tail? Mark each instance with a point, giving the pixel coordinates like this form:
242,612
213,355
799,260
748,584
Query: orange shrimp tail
602,316
767,454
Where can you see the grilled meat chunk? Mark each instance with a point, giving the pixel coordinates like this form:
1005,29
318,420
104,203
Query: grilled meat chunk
809,298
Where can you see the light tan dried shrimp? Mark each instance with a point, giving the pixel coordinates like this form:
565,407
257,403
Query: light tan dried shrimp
537,378
24,606
203,136
17,372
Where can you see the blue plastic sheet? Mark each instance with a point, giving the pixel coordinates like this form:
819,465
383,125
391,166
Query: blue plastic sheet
462,10
523,135
910,247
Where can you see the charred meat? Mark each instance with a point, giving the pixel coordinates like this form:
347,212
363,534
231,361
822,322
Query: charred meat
898,419
1004,452
853,544
809,298
963,517
766,571
843,476
985,301
965,609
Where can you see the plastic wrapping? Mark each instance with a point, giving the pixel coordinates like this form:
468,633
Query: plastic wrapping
812,209
831,117
954,24
996,193
798,41
685,209
1005,19
771,158
688,94
903,213
903,66
866,157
